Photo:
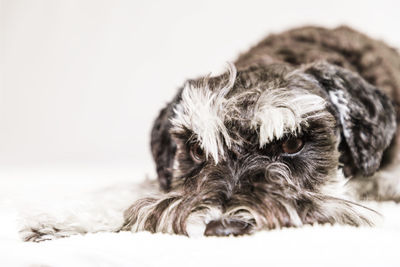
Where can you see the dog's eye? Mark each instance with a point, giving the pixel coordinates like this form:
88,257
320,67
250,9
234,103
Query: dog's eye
197,153
292,145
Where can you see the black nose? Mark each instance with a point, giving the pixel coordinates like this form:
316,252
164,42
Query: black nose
226,228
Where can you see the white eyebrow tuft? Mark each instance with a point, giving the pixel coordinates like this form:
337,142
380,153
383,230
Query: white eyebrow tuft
204,111
280,111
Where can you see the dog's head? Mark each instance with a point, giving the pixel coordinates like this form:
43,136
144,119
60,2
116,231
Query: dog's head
264,148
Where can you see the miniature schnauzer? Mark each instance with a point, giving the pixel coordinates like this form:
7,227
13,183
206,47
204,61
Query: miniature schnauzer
297,131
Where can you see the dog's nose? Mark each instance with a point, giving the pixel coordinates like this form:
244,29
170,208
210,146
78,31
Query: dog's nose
226,228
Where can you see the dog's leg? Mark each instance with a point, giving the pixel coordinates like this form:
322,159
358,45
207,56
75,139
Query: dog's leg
98,211
45,227
382,186
79,218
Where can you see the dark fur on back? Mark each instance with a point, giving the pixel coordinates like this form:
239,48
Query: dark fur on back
373,60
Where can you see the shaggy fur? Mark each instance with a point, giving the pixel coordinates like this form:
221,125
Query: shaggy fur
219,145
311,83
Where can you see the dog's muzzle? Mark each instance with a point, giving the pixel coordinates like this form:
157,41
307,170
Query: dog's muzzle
226,228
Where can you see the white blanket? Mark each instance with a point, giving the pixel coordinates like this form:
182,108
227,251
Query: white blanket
26,192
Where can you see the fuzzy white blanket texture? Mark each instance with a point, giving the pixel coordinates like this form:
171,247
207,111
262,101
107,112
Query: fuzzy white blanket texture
28,194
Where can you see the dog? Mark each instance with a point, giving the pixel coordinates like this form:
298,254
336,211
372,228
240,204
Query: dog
297,131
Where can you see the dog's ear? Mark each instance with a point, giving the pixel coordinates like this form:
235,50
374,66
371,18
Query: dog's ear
366,115
163,146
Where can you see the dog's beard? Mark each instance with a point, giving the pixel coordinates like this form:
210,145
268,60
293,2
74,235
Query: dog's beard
266,200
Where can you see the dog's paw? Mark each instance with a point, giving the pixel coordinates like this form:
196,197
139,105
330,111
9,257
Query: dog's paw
43,232
38,234
48,230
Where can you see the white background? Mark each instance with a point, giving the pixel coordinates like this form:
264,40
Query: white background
82,81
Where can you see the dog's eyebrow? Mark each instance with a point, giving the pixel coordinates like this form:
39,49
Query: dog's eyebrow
280,111
202,110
